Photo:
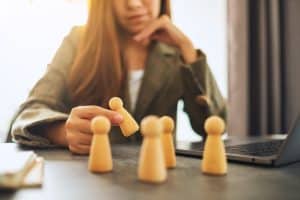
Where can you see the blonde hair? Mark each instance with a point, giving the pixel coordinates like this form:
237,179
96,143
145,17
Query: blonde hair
97,73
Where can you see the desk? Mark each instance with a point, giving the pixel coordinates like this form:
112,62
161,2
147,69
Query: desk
67,177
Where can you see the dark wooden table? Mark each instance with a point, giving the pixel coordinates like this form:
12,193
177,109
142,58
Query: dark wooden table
67,177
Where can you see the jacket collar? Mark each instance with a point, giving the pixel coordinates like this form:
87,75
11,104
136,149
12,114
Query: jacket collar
156,74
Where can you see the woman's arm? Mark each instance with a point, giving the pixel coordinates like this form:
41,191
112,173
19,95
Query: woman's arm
201,94
46,119
55,132
47,102
202,97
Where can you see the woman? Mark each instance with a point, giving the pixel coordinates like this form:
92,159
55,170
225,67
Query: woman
128,48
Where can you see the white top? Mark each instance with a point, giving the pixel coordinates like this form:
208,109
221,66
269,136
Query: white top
135,80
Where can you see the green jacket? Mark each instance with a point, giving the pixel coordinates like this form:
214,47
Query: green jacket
166,80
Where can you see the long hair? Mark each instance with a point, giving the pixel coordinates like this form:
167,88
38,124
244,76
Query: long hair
97,73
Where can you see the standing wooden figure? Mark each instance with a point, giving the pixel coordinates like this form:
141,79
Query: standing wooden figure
214,158
167,141
128,126
100,159
152,166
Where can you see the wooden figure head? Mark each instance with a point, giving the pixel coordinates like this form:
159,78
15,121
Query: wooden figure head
115,103
214,125
100,125
167,123
151,126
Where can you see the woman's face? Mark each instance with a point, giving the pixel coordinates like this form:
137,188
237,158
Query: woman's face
134,15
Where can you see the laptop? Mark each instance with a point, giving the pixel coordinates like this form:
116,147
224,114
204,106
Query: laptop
271,151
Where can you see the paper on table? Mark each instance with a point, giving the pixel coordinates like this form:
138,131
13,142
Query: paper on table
19,168
35,176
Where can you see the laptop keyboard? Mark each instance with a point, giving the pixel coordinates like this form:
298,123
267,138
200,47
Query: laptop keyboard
256,149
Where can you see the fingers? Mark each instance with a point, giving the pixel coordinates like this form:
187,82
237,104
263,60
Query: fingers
80,125
80,149
154,26
89,112
75,138
84,139
79,142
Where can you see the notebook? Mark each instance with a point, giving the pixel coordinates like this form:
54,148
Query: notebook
19,168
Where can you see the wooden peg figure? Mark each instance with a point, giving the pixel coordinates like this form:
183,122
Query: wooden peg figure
100,159
129,126
214,158
167,141
152,166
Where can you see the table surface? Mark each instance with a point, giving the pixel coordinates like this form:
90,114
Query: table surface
67,177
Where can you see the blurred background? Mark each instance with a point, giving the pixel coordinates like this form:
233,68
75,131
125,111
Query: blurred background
32,30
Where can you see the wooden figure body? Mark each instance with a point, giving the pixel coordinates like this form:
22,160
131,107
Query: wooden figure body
214,158
100,159
152,166
167,141
129,126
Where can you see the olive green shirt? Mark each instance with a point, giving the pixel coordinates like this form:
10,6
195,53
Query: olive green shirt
166,80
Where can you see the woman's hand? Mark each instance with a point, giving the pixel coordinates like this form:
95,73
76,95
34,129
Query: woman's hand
76,131
78,126
163,30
